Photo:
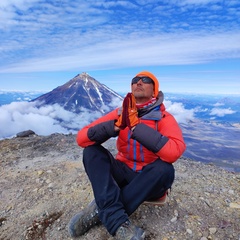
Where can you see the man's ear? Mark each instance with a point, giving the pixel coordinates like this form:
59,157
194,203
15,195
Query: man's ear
153,91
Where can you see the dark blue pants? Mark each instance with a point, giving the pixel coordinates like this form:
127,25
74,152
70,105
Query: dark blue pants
118,190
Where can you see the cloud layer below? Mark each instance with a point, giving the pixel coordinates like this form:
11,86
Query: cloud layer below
20,116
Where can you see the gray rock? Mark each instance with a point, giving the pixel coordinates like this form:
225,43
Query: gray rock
26,133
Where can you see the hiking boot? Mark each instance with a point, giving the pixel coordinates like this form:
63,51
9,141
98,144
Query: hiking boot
127,231
84,220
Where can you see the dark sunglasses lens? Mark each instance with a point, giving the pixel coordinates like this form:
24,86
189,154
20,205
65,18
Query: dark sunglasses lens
147,80
135,80
144,80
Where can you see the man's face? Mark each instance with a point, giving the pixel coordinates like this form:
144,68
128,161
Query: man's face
143,92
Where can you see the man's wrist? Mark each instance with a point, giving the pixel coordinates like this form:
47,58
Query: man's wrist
116,129
132,129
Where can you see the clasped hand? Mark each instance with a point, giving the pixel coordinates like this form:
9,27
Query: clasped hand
129,116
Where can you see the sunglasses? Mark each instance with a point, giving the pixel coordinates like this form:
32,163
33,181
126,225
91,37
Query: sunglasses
144,80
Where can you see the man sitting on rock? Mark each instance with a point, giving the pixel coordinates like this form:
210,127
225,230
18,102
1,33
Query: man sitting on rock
149,140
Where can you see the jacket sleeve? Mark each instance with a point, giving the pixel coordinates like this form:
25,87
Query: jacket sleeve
98,131
166,142
155,140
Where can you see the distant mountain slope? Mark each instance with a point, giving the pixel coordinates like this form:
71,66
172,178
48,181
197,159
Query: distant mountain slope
83,91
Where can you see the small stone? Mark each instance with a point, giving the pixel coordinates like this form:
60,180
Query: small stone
9,208
176,213
203,238
174,219
212,230
50,185
231,191
40,226
40,172
189,231
48,181
235,205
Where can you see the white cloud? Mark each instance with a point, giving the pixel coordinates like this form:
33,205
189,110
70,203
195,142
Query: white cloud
181,114
167,49
20,4
218,104
8,11
80,33
221,112
201,110
197,2
116,102
20,116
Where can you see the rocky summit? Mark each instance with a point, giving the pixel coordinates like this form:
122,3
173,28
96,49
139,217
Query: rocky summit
81,92
43,184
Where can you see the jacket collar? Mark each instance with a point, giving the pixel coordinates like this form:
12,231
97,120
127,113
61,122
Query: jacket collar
152,112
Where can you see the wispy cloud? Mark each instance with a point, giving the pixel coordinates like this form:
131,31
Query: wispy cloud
40,36
161,50
63,35
221,112
197,2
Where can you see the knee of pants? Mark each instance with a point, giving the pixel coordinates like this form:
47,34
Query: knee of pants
162,169
94,152
87,152
168,171
89,149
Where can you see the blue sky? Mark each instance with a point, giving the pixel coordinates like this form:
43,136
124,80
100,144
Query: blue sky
190,45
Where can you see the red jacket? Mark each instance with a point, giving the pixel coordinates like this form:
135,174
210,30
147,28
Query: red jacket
158,135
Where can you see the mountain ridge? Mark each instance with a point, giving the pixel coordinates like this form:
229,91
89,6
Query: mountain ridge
82,91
